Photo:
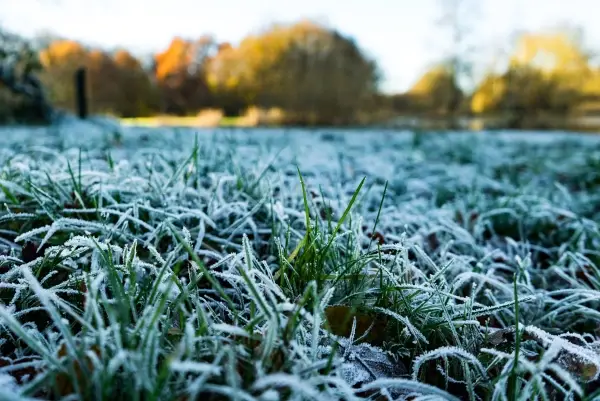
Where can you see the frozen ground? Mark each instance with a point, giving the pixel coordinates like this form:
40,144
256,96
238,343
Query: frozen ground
144,264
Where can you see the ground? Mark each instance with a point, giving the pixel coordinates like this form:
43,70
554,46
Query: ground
180,264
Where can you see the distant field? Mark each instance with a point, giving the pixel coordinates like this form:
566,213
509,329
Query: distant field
180,265
170,121
587,124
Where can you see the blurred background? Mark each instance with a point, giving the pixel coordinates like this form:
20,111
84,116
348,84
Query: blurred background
427,64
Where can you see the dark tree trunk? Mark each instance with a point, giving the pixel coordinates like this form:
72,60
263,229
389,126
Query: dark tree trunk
81,93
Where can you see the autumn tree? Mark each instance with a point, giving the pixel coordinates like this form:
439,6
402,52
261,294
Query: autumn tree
489,94
226,80
436,92
561,59
60,61
138,95
317,75
180,73
524,91
547,73
103,83
528,91
117,83
590,94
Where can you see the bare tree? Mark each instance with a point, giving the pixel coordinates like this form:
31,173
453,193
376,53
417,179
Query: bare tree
457,22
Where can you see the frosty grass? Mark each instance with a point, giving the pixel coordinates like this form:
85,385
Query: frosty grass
148,264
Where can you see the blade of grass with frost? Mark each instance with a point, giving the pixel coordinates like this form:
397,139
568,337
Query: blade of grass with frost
341,221
123,306
205,370
406,322
258,298
15,188
92,302
233,229
77,189
445,312
203,268
42,204
37,384
378,215
13,324
110,161
316,326
327,209
266,169
9,195
75,313
179,170
7,395
307,236
351,270
292,382
232,377
130,255
197,149
186,290
67,335
57,187
155,290
292,324
46,300
512,380
163,374
495,308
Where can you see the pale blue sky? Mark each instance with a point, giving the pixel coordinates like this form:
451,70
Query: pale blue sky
400,34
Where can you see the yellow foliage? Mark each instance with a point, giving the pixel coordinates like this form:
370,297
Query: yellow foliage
488,95
549,52
437,91
306,69
547,71
591,85
428,82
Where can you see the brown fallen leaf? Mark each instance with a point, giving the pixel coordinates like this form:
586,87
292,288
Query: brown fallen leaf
340,319
29,251
22,373
433,241
64,382
582,369
377,236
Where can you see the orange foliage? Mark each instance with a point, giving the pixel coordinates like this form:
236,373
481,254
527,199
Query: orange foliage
180,73
117,84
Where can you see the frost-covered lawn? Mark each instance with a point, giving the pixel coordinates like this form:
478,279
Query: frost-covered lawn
164,265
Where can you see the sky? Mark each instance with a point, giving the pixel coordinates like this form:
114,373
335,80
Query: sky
402,35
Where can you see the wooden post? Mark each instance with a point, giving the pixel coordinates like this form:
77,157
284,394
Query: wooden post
81,95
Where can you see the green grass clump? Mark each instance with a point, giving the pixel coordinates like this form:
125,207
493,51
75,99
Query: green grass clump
283,266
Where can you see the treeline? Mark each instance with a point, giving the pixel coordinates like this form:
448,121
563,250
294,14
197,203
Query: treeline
313,73
548,77
306,73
